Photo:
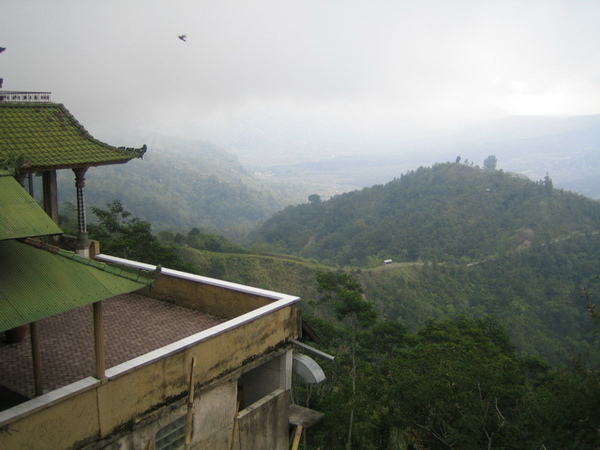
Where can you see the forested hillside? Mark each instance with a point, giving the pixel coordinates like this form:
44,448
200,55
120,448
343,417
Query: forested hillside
482,243
181,185
498,353
448,212
538,294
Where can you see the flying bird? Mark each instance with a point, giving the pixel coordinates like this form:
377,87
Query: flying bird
183,37
2,49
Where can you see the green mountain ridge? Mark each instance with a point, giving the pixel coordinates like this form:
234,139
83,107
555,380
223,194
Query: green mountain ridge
448,212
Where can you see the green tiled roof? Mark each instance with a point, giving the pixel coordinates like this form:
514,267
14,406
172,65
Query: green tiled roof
20,215
49,137
40,281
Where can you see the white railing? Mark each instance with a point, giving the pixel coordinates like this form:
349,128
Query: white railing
18,96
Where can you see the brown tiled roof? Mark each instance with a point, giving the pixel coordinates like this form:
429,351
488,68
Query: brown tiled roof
133,325
47,136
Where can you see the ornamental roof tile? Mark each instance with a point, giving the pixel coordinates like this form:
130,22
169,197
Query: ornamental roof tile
47,136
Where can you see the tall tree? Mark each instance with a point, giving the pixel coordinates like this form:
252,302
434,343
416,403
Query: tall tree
490,162
126,236
345,294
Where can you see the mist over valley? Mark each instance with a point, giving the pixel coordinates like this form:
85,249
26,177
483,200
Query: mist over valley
216,185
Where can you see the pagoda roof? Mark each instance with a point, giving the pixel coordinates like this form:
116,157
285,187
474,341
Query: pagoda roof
46,136
39,281
21,215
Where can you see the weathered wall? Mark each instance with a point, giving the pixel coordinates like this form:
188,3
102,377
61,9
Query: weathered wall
128,395
217,425
214,412
228,303
46,428
142,433
264,425
148,384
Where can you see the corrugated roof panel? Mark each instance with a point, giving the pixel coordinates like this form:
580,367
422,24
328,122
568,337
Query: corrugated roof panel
47,135
37,283
20,215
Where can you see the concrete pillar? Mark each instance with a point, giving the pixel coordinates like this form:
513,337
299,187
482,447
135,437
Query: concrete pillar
30,182
83,243
50,194
20,177
37,358
99,340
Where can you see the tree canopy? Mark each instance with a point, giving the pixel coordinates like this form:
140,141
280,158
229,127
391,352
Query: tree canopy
448,212
123,235
454,384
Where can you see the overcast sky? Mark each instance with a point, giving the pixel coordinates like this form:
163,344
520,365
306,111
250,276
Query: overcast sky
362,66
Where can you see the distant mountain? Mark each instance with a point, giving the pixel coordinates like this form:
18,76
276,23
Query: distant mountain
449,212
567,148
182,183
179,185
464,241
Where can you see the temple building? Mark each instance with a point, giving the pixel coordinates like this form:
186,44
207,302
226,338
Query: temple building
39,137
102,352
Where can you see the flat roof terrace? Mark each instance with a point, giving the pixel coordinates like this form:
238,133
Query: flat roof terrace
133,326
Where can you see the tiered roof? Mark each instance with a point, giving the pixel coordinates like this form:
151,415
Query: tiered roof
47,136
21,216
39,280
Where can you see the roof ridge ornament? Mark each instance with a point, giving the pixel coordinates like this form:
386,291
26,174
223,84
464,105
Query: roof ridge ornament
138,151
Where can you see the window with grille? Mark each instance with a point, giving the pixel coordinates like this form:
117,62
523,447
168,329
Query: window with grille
171,436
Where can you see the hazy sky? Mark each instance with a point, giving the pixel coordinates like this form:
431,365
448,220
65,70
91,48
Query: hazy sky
358,66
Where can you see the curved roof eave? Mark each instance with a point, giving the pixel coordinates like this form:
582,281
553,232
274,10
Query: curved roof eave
46,136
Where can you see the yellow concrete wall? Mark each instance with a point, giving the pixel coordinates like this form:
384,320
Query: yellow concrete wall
131,394
46,428
128,396
211,299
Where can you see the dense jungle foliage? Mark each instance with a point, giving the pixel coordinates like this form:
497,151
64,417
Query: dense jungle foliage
128,237
448,212
538,294
455,383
